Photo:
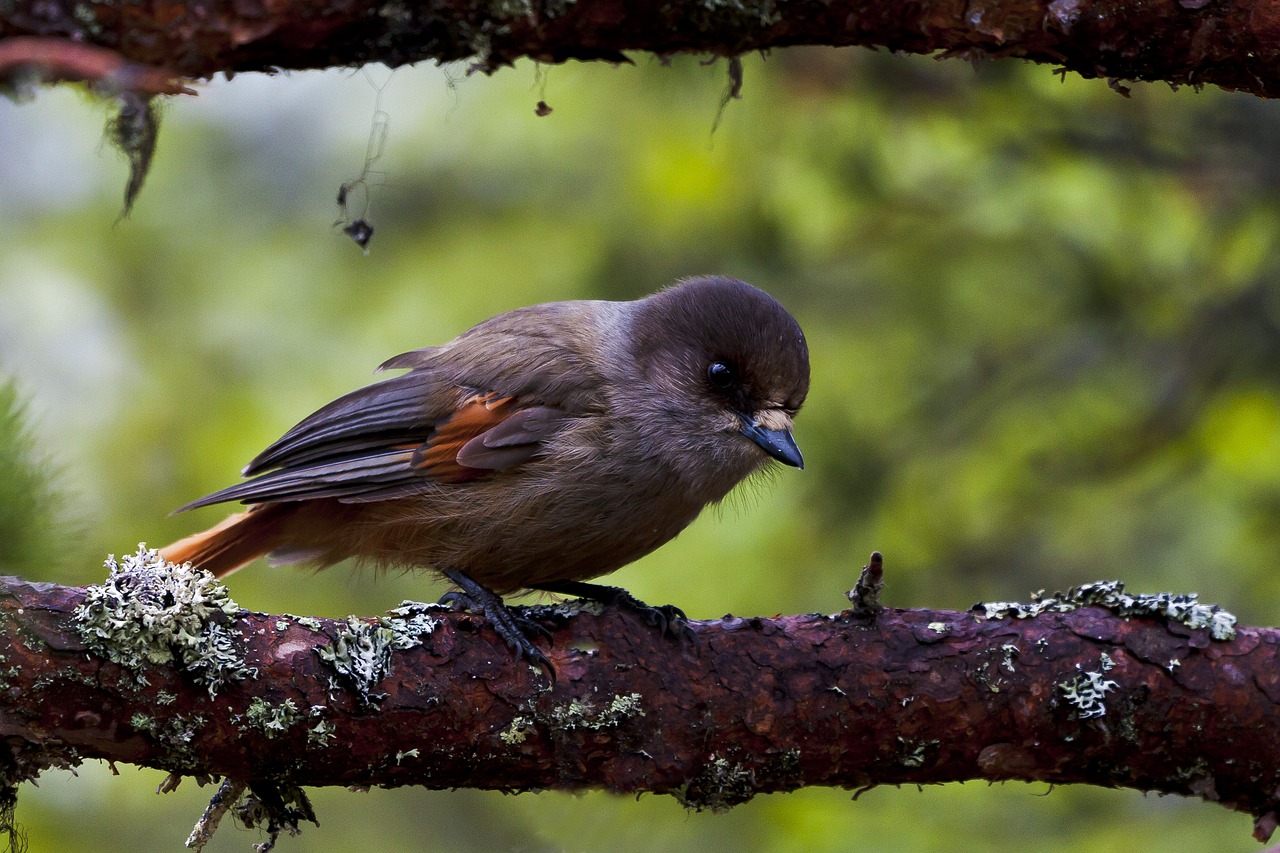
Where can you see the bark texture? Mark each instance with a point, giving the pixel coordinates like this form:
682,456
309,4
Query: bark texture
1235,45
432,697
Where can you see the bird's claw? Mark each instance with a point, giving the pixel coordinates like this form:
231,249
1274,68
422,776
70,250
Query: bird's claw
511,625
668,619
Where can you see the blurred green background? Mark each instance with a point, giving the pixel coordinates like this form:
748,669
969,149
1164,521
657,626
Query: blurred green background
1043,324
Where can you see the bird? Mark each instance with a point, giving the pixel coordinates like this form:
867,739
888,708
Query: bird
540,449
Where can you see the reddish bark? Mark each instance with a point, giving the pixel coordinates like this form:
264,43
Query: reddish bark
1234,45
747,706
60,59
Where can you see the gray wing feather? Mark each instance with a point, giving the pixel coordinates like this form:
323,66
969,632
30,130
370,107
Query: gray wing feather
524,353
402,409
343,479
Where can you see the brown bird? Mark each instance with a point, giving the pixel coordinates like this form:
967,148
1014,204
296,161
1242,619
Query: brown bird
541,448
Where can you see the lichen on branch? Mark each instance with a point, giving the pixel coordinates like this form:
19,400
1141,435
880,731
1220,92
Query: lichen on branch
149,612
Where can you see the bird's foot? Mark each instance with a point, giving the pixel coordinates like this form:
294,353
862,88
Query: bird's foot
667,618
518,631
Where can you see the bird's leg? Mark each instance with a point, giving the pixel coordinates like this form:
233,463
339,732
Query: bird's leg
472,595
667,618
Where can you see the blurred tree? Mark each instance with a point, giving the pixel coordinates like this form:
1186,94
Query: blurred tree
29,521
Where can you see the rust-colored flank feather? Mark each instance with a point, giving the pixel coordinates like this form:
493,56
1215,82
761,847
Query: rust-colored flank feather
438,458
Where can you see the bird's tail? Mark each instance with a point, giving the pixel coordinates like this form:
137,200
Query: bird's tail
233,543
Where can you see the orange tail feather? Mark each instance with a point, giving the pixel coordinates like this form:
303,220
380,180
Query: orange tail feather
233,543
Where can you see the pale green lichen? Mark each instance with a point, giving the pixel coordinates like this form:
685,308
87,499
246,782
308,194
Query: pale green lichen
410,623
85,16
584,714
360,653
915,752
1085,692
175,733
310,623
994,662
518,732
271,720
67,675
1183,608
322,733
152,612
574,714
720,785
361,650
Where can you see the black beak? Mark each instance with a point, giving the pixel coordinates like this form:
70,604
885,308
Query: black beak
778,443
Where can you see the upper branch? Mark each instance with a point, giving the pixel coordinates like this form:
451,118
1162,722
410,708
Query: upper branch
160,668
1234,45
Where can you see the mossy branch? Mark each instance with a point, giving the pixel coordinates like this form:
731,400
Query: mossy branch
1184,42
158,667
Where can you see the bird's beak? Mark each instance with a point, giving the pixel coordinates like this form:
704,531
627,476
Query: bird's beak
778,443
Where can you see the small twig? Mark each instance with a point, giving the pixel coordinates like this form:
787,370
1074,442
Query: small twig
865,595
732,92
228,795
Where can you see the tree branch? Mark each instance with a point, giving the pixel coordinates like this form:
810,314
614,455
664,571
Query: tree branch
1235,45
158,667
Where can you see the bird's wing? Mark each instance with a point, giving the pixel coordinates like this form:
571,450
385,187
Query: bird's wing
402,409
485,433
459,414
532,355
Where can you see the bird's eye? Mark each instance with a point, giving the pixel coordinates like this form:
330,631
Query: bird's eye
721,375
